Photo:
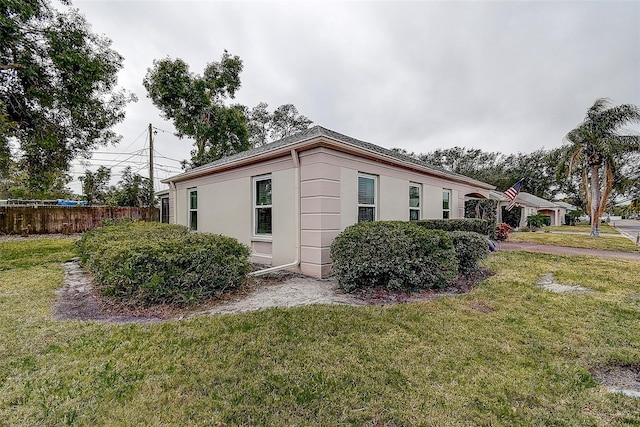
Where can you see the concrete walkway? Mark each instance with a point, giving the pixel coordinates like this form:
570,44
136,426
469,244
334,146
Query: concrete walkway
564,250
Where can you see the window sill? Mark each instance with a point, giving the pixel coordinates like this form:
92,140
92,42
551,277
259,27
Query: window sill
261,238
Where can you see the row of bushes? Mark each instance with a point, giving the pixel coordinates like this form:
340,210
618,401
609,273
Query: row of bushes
476,225
152,263
141,264
404,255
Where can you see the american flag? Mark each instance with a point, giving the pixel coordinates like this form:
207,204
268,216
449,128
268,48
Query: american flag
512,193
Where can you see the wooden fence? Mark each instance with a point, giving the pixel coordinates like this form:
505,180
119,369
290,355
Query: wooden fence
27,220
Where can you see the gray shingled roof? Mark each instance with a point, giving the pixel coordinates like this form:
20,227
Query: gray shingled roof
526,199
318,131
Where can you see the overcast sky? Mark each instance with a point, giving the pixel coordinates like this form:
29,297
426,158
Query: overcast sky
500,76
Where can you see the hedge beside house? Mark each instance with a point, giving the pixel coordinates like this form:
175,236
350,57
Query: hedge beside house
471,248
142,264
393,254
486,209
476,225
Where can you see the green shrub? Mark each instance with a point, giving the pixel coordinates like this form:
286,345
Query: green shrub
480,226
512,217
91,243
123,220
470,248
152,263
538,220
393,254
486,209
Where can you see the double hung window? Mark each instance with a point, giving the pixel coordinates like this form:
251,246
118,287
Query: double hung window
193,209
446,204
262,205
366,198
414,202
164,210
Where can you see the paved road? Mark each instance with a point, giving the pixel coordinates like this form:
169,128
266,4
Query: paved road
629,227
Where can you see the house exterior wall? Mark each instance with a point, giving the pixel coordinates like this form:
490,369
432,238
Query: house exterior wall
556,214
328,203
225,206
393,195
284,236
329,199
320,207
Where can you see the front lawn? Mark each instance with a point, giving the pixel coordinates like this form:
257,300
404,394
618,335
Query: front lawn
607,243
582,227
507,353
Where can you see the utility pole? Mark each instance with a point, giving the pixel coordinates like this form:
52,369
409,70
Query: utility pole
151,192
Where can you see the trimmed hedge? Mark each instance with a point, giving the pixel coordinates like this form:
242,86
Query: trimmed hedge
470,248
480,226
393,254
152,263
486,209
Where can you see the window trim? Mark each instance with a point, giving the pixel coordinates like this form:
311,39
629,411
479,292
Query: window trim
419,207
191,210
254,195
447,210
164,210
375,195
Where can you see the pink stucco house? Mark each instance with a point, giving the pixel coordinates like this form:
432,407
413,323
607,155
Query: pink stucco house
289,199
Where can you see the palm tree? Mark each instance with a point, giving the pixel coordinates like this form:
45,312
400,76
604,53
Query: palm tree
597,148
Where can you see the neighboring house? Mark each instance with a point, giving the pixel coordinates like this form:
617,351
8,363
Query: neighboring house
531,205
567,206
289,199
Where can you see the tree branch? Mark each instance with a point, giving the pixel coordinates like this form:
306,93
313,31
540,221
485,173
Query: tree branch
11,67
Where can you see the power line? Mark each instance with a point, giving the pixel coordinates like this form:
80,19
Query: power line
137,137
165,157
166,131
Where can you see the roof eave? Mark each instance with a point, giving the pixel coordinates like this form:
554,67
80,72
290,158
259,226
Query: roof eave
328,141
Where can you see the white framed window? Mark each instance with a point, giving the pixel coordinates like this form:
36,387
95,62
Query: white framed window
367,197
262,206
415,191
164,210
446,204
193,209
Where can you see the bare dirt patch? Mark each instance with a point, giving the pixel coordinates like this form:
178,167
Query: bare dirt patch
461,285
549,282
620,379
79,300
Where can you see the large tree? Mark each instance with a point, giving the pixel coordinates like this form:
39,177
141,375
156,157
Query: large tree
265,127
471,162
95,185
537,169
132,190
58,94
197,105
286,121
596,148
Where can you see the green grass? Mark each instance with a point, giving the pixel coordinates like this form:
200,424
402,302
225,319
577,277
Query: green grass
508,353
607,243
582,227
